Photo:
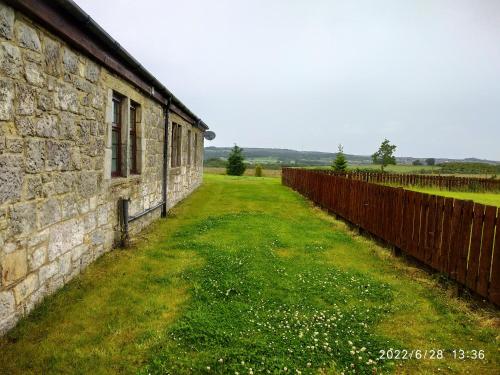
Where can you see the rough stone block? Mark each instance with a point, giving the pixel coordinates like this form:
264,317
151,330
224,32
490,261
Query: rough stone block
68,128
14,267
7,304
52,54
45,102
25,126
26,99
34,74
97,238
33,187
6,99
37,258
35,155
69,206
58,155
90,222
47,126
87,184
22,218
64,182
65,264
27,36
102,215
92,72
47,271
66,98
38,239
70,61
34,299
77,253
50,211
6,21
10,60
64,237
76,158
25,287
14,145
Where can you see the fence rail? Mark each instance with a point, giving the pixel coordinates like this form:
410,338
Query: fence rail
455,237
441,182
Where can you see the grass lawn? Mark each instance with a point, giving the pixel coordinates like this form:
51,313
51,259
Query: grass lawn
247,277
492,199
249,171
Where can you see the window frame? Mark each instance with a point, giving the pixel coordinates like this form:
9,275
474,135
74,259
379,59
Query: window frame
195,156
133,138
176,145
116,127
189,145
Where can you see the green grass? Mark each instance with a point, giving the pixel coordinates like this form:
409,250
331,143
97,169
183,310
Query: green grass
247,277
492,199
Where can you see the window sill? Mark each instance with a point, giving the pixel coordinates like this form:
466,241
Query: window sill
114,181
175,170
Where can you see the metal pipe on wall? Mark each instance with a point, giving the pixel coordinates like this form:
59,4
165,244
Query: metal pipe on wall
165,159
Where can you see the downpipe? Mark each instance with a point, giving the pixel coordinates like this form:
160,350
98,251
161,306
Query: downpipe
165,160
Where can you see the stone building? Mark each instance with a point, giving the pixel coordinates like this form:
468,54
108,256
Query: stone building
83,126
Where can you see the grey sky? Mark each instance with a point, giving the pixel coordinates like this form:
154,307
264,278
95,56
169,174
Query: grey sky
308,75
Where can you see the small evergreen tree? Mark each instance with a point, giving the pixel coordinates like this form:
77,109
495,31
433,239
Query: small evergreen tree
385,154
235,162
258,170
417,162
340,162
430,161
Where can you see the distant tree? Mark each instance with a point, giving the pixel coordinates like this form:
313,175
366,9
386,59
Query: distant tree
258,170
340,162
235,162
385,154
430,161
417,162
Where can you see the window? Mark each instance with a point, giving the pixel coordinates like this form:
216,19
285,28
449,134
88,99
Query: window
175,156
133,139
195,148
116,138
190,144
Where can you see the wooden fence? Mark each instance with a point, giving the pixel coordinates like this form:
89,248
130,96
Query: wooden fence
453,236
441,182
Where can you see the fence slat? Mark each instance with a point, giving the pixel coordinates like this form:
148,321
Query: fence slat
486,250
475,246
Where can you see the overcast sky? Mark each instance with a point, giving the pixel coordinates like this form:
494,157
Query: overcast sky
308,75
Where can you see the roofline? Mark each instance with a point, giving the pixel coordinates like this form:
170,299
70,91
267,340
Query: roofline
55,14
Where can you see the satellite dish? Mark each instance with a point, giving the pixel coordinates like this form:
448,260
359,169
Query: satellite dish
209,135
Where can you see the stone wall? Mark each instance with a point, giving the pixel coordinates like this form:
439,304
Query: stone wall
184,179
58,202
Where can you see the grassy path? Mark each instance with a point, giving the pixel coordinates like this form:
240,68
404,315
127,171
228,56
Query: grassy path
246,277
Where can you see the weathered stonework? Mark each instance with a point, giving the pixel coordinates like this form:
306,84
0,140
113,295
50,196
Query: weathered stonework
58,203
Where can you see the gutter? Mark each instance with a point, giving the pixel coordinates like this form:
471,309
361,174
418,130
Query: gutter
165,160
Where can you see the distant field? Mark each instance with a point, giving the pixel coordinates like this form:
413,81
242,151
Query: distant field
399,168
248,172
492,199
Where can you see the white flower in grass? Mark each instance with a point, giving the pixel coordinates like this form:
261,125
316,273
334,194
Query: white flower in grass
208,368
